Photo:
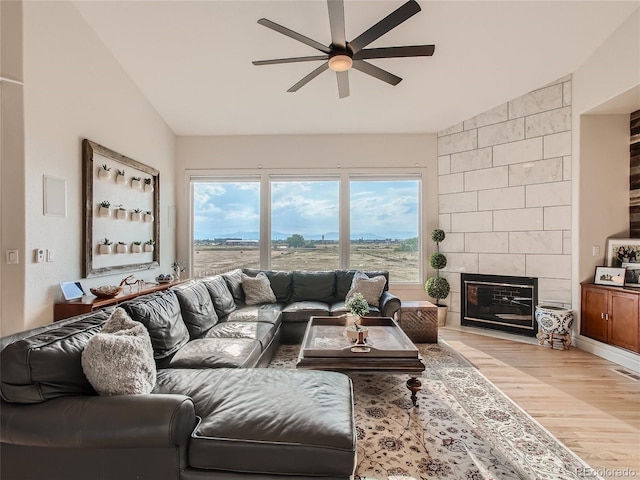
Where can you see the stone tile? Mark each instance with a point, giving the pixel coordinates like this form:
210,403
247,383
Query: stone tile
555,291
454,280
462,262
557,145
458,202
547,123
486,242
444,221
458,142
471,160
504,132
501,198
453,301
566,93
566,78
542,171
557,218
567,163
537,101
453,316
453,242
486,179
550,242
549,266
519,219
502,264
444,165
518,152
548,194
566,242
495,115
451,183
457,128
472,222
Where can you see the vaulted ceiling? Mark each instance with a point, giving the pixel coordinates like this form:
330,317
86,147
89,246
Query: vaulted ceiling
192,60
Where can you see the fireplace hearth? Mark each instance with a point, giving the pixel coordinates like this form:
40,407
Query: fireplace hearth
500,302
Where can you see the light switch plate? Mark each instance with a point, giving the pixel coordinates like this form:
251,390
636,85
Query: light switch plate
12,257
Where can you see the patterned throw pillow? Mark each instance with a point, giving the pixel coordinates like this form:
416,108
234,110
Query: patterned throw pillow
257,289
370,288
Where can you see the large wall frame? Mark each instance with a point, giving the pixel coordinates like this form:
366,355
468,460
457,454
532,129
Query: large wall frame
120,226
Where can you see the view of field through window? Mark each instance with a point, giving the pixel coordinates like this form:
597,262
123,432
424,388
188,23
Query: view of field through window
305,220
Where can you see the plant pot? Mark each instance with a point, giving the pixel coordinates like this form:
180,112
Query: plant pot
121,214
442,315
148,187
104,249
136,217
121,179
148,218
137,184
104,212
136,248
148,248
120,248
104,174
553,319
352,333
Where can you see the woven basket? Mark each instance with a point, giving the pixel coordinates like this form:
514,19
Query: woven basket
421,326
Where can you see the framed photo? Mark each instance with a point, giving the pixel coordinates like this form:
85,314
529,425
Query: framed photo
72,290
623,250
611,276
632,276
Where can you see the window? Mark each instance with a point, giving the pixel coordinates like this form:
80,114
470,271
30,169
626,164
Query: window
305,223
226,226
384,225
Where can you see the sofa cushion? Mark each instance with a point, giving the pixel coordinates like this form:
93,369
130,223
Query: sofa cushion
160,313
252,419
313,286
217,353
46,363
280,282
344,279
196,306
118,360
261,331
220,295
302,311
257,289
234,282
370,288
268,312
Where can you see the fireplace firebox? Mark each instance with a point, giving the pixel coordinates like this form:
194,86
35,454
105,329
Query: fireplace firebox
500,302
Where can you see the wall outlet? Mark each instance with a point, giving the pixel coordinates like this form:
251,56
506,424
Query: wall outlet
49,254
38,255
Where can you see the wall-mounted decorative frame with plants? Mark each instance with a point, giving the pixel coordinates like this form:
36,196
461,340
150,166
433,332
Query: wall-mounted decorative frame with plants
97,188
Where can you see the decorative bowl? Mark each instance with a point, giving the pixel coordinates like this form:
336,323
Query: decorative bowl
164,278
106,291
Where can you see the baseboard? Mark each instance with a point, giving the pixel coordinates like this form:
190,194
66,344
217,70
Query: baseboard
494,333
620,356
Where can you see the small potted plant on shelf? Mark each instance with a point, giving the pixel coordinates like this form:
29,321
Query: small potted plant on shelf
358,307
120,177
438,287
103,208
149,245
136,182
148,216
121,212
178,268
136,215
148,185
136,247
121,247
104,172
105,246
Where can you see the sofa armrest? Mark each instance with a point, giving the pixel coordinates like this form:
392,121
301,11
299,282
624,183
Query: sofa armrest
122,421
389,304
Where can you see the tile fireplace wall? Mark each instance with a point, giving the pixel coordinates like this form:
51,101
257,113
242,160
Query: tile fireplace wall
505,193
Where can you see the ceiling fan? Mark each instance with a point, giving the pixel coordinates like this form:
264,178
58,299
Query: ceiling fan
341,55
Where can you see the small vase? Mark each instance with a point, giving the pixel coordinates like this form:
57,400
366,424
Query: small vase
121,179
104,249
104,174
148,187
104,212
137,184
148,218
121,214
136,248
148,248
136,217
176,275
120,248
352,332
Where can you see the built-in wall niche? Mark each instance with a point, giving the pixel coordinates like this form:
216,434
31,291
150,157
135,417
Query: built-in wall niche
634,175
121,204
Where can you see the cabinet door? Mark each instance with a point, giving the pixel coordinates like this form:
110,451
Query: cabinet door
594,306
623,320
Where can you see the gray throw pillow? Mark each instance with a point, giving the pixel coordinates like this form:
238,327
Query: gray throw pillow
257,289
118,360
370,288
234,282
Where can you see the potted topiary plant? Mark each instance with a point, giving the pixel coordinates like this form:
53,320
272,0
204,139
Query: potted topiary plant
358,307
438,287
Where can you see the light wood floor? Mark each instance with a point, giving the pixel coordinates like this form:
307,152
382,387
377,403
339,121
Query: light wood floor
575,395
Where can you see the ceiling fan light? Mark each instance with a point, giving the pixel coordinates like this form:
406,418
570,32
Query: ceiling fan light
340,63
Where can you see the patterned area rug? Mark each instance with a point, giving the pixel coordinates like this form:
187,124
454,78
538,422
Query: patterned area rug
463,427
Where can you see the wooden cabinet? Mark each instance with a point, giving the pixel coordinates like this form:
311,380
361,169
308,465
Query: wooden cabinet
611,315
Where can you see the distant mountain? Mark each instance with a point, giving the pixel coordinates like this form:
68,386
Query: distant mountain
329,236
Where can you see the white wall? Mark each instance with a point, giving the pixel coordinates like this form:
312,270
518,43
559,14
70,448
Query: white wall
297,153
74,89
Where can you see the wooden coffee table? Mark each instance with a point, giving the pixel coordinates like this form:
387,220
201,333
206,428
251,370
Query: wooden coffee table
387,349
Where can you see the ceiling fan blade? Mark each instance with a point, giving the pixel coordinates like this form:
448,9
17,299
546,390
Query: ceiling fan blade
336,21
389,22
295,35
290,60
395,52
376,72
343,83
309,77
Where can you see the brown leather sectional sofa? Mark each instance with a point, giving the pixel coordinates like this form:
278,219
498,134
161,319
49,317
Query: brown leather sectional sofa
211,415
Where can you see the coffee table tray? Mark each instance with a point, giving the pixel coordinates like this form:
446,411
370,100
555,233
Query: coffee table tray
325,338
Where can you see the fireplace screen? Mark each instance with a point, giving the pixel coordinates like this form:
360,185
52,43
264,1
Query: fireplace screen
500,302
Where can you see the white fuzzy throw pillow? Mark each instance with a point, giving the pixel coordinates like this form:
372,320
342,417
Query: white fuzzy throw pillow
118,360
257,289
370,288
